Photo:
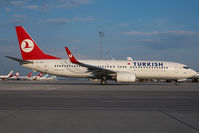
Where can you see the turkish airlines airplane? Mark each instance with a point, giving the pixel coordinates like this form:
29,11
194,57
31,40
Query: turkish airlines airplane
120,71
16,76
51,78
4,77
28,77
39,76
46,77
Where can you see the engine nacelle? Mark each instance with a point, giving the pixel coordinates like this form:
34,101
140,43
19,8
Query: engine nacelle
125,77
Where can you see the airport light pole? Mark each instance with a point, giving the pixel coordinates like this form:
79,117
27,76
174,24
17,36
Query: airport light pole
101,35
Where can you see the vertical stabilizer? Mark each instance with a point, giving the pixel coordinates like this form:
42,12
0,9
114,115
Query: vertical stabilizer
29,48
29,75
10,74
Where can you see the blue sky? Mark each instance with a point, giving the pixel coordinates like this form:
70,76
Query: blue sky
165,30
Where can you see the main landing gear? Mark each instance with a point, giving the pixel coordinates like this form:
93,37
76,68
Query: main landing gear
103,81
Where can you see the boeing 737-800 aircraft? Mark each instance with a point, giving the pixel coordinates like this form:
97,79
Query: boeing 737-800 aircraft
119,71
28,77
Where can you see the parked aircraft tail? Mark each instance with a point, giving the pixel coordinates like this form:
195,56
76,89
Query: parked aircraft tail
40,74
16,75
10,74
29,75
29,48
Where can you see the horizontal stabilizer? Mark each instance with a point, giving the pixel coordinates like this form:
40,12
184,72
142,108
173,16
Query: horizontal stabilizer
19,60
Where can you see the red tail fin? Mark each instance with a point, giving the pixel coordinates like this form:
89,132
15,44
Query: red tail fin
16,75
10,74
29,49
29,75
40,74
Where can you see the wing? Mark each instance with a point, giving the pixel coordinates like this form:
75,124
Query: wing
97,72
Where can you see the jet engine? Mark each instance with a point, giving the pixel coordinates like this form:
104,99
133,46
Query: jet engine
125,77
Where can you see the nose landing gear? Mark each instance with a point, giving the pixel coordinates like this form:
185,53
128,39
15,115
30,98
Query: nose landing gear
176,83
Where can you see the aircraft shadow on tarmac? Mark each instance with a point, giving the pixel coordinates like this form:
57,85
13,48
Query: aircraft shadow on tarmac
75,83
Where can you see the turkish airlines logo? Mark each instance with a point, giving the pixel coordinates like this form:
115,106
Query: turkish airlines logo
70,55
27,45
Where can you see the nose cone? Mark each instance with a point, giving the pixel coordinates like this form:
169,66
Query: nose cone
192,73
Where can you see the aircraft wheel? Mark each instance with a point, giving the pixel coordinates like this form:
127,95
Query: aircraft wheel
103,82
176,83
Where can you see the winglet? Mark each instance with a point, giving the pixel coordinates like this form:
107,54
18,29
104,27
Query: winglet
71,57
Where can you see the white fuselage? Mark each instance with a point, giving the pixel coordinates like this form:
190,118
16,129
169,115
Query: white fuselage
4,77
142,69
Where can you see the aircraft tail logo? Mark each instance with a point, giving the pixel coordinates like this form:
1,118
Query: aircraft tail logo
27,45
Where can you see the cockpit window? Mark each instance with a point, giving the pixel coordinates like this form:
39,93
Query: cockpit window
185,67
